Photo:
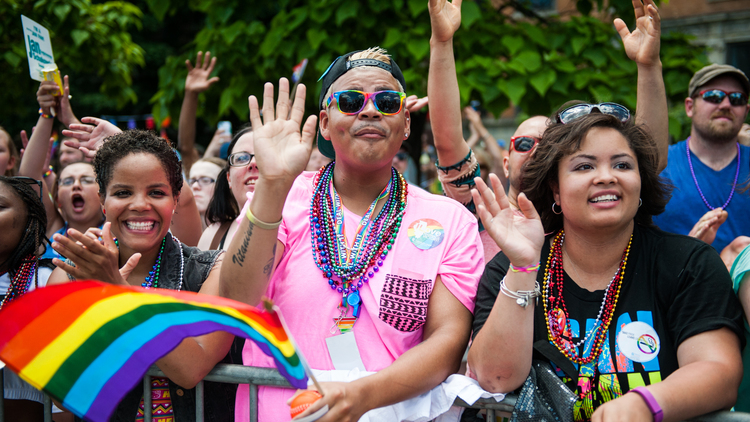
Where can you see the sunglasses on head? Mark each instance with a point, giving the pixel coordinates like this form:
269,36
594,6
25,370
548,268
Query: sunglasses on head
716,96
580,110
240,159
352,102
523,144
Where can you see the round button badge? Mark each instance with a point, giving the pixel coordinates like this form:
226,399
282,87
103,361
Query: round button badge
639,342
426,233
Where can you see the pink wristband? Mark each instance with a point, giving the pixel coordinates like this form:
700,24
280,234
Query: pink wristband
526,269
651,402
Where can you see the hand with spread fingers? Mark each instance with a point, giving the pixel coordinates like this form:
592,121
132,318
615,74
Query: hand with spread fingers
445,17
198,77
281,149
642,45
519,234
89,137
94,259
705,229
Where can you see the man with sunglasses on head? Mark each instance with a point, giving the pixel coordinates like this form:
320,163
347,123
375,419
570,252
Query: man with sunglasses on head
371,273
457,166
709,168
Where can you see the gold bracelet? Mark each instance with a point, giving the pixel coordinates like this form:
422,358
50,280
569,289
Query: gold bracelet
261,224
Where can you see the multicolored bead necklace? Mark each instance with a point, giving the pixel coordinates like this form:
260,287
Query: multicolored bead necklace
21,281
348,269
152,280
556,313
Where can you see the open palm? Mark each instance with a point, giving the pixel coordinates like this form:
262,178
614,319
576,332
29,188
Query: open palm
519,234
445,18
281,149
89,137
642,45
197,79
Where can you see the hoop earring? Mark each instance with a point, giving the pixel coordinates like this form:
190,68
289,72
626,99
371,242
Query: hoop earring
640,202
553,208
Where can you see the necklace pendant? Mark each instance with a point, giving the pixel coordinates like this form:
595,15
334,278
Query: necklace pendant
557,322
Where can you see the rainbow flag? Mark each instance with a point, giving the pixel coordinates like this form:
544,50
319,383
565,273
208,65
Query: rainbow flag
87,344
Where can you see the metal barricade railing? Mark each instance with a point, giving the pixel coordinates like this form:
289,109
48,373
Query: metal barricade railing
254,376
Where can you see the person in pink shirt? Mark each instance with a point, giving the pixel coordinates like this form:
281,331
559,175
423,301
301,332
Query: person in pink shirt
368,271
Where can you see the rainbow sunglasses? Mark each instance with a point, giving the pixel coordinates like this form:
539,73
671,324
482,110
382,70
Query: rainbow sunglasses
352,102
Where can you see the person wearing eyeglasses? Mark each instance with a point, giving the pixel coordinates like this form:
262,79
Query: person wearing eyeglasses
370,272
233,183
203,175
457,164
710,166
626,321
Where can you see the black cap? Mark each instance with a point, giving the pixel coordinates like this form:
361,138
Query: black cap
337,69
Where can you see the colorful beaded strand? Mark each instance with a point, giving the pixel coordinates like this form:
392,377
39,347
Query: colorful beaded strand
21,280
554,304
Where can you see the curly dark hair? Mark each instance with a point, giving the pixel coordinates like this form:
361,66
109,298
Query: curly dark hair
559,140
35,229
117,147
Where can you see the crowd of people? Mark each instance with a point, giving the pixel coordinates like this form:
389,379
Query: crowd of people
591,257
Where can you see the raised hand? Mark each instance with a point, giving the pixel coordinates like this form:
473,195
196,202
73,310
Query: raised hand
89,137
94,259
281,150
642,45
65,111
519,235
445,18
44,96
197,78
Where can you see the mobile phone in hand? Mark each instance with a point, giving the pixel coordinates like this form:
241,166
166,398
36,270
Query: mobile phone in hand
226,126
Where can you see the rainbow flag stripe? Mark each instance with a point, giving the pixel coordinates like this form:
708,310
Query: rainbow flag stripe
87,344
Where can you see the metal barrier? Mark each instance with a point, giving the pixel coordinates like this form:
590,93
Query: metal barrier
240,374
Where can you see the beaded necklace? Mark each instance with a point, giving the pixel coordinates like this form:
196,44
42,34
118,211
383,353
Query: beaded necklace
21,281
347,272
152,280
692,172
556,313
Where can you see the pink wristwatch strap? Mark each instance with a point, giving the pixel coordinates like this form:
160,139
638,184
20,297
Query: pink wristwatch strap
651,402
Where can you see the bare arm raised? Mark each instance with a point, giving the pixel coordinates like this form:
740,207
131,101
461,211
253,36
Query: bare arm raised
282,152
197,81
442,83
501,353
642,46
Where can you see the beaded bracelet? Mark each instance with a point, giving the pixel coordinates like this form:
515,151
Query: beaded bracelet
48,172
527,269
261,224
46,116
522,297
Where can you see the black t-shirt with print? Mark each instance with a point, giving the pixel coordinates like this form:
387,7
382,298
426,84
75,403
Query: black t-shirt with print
678,286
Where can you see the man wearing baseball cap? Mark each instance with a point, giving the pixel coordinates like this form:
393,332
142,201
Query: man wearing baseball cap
709,168
368,271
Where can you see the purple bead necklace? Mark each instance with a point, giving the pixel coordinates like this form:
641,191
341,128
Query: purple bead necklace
692,172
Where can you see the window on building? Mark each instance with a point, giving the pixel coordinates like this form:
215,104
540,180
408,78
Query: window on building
738,55
539,5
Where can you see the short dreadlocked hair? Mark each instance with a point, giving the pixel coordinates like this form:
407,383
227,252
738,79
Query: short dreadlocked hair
35,230
117,147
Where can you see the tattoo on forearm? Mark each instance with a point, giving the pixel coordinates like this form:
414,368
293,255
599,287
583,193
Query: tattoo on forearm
239,256
268,268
